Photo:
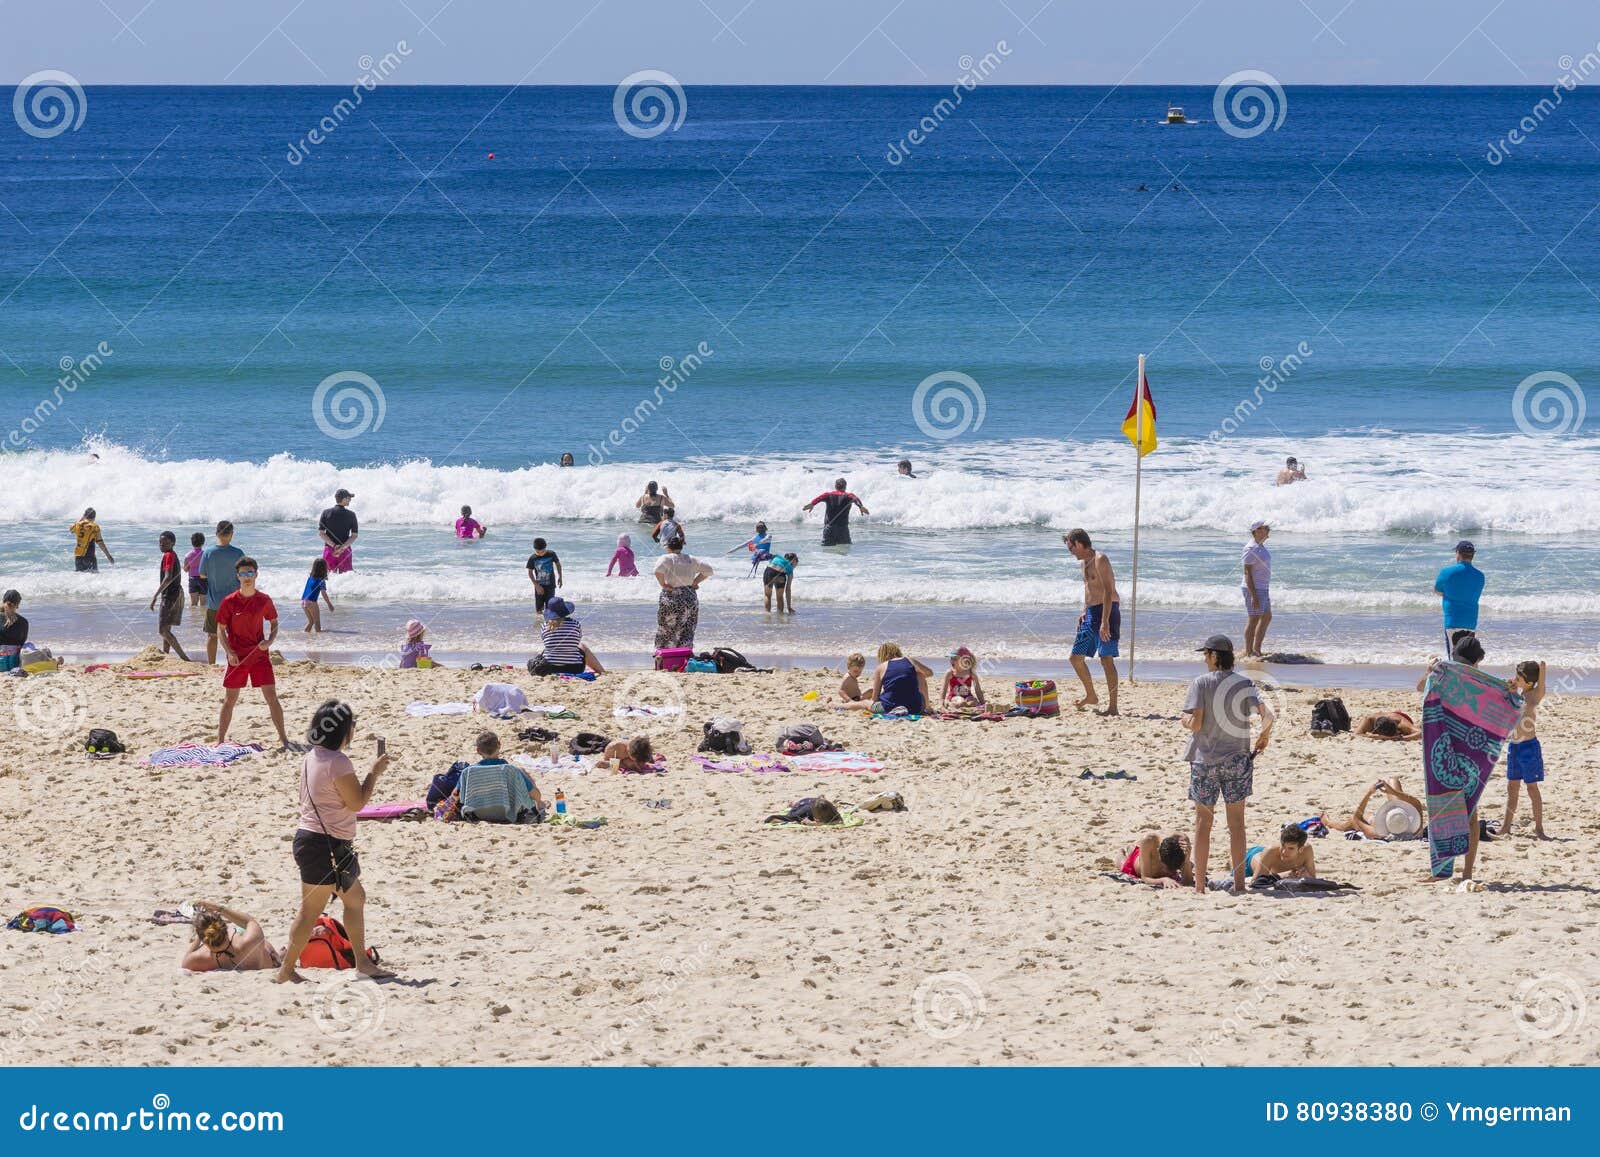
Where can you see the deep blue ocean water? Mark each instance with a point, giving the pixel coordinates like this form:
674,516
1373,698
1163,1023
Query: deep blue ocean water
513,308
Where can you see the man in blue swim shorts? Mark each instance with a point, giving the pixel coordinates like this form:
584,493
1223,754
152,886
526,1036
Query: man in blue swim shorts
1100,627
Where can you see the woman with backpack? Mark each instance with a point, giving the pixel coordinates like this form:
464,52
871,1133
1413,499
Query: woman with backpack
324,849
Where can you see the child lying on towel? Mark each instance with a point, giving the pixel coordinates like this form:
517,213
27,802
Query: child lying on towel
633,755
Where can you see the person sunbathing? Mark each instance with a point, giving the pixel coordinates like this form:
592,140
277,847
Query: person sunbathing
1292,856
1395,815
1162,862
1387,725
816,811
628,755
217,947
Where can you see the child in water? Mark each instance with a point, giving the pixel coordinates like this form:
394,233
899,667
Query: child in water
961,685
622,559
760,547
316,587
191,567
468,527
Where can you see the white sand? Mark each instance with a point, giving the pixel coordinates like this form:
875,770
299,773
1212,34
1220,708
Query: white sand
976,928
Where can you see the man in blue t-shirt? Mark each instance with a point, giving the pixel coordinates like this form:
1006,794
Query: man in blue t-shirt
1460,585
217,565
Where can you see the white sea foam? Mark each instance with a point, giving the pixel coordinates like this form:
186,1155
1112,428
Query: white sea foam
1362,485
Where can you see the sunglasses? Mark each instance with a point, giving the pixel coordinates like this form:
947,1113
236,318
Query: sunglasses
246,573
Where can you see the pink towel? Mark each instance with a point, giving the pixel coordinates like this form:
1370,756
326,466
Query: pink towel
392,811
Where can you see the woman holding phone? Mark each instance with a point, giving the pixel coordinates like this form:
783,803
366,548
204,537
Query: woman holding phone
324,849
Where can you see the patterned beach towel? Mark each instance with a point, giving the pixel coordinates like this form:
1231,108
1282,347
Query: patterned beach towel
758,763
202,755
1466,716
826,761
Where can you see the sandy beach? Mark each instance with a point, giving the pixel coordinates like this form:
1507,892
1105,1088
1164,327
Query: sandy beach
979,927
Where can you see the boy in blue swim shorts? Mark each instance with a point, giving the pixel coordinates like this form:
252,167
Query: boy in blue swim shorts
1524,757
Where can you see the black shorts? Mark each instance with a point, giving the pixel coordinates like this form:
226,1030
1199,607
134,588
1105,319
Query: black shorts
539,600
86,561
539,665
773,577
317,854
197,584
171,613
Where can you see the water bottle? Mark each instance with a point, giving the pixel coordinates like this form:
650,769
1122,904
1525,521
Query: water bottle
561,802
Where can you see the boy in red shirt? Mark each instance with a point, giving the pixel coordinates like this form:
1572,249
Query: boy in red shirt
247,624
170,594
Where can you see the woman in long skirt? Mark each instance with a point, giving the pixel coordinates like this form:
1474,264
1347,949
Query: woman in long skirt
678,610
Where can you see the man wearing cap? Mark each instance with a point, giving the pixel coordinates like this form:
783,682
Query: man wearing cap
1459,586
337,529
1220,755
1257,596
565,652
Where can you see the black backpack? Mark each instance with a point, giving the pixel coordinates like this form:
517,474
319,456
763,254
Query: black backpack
722,742
727,660
587,743
1330,716
103,742
445,783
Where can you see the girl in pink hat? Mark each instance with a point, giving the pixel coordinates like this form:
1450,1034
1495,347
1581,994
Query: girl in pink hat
414,648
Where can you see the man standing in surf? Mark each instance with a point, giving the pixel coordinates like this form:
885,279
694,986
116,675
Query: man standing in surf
836,517
337,528
1100,628
1257,590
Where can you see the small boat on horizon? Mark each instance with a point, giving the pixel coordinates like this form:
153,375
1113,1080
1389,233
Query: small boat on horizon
1175,115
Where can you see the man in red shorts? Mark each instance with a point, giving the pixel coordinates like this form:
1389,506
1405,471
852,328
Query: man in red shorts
247,624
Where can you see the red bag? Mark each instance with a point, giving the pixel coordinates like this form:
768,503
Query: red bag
329,946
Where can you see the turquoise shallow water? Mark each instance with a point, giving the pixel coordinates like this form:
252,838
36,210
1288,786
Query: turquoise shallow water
1360,286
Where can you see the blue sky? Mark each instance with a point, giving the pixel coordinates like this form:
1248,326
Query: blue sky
797,41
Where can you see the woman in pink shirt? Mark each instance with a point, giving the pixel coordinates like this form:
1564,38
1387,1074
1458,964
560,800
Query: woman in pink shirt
469,527
324,847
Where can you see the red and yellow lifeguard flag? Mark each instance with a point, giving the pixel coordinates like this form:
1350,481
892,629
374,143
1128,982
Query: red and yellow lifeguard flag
1139,427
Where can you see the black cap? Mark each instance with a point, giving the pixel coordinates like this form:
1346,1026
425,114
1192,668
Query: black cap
341,494
1217,643
1465,547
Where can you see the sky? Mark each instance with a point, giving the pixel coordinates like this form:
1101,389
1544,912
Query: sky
502,42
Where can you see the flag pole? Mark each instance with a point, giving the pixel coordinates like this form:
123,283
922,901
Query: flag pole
1138,476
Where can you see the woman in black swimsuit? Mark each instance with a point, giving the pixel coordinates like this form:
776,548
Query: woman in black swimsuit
653,503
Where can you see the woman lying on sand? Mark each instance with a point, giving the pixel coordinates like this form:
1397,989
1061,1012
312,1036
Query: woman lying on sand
216,947
1162,862
1387,725
1395,815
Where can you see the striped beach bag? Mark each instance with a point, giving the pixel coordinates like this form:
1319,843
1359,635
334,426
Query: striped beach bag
1037,697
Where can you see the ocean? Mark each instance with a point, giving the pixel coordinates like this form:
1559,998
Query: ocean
205,313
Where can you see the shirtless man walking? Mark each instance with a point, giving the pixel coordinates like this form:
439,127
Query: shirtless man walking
1100,628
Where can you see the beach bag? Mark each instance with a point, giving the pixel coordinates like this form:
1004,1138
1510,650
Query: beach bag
802,738
1037,697
1329,717
724,736
673,658
103,742
727,660
330,947
587,743
700,667
445,783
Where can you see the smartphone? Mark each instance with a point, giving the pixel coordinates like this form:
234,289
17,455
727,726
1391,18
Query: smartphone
383,746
